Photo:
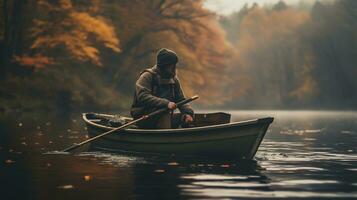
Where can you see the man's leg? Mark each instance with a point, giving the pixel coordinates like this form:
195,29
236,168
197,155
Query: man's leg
148,123
177,120
164,121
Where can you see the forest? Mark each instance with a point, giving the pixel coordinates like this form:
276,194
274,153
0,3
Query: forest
85,55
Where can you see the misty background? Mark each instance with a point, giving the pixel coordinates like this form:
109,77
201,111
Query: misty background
75,55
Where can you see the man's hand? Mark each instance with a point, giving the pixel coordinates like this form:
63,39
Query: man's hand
188,118
171,106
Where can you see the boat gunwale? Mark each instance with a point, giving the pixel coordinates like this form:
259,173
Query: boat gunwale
267,120
180,142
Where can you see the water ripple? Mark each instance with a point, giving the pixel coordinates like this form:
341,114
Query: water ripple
250,193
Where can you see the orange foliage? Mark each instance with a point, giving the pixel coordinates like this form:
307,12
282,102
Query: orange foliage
74,30
38,61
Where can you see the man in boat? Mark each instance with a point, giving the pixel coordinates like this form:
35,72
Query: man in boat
158,87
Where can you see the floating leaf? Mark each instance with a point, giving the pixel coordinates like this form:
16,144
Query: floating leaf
66,187
9,161
87,178
173,164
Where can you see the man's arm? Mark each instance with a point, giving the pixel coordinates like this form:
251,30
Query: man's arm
143,89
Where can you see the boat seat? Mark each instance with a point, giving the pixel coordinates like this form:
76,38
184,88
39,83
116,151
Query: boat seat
209,119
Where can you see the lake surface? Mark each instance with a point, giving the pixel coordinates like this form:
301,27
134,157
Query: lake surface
305,154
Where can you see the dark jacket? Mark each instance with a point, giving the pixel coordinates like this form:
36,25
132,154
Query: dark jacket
153,92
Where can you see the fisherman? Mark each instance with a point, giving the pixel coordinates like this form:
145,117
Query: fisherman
158,87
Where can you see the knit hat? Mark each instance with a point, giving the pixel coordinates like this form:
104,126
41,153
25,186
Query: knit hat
166,57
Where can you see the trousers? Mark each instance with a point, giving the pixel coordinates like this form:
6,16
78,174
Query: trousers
162,121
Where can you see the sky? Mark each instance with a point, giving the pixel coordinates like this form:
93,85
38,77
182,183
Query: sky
226,7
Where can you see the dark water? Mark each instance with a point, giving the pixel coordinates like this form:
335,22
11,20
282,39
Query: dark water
304,155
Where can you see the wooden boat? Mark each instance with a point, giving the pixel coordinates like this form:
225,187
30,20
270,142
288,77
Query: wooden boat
212,134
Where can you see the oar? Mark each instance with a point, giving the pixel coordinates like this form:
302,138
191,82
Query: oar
128,124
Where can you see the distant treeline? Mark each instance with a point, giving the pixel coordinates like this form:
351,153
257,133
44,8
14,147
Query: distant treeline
86,55
293,57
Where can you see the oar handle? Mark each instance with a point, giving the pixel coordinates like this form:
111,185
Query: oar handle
181,103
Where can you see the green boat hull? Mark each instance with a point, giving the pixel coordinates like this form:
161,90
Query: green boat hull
240,140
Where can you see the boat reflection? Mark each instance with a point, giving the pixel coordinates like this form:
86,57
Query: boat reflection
171,177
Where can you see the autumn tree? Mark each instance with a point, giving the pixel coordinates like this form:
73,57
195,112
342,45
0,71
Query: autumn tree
70,35
231,23
332,35
68,27
182,25
273,65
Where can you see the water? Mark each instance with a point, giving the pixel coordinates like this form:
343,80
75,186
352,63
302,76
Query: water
305,154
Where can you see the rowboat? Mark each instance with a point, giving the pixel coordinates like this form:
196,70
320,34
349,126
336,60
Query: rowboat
211,134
